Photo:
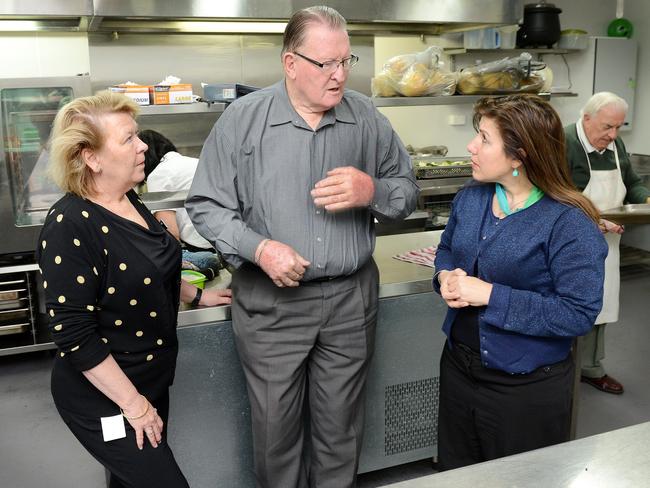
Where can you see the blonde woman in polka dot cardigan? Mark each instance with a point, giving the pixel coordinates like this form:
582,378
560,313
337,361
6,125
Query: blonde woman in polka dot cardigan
112,280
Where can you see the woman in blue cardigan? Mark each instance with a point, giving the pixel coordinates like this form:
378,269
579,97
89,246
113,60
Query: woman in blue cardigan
521,266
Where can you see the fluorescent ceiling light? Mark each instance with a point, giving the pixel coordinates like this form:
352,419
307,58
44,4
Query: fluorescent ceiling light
18,25
234,27
190,26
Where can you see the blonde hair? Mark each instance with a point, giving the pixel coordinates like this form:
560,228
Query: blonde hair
78,126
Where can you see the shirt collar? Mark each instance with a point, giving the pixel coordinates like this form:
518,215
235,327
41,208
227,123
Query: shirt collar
283,112
343,112
585,141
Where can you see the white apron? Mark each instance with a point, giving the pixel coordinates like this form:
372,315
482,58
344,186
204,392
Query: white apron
607,190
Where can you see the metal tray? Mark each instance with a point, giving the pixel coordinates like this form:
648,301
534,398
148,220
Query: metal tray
11,294
11,304
637,213
11,315
14,329
12,282
462,167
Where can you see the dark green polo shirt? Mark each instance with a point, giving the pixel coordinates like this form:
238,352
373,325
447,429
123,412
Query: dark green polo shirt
637,192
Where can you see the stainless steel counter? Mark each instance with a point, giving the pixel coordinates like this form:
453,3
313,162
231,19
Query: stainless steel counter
396,278
212,435
620,459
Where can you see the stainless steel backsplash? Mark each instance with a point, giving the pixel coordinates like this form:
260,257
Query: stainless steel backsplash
196,58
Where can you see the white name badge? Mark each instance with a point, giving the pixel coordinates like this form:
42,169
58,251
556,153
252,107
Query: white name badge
113,427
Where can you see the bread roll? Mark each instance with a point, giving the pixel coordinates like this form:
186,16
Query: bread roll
382,86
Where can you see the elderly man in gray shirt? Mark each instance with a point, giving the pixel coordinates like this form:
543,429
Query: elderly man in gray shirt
287,186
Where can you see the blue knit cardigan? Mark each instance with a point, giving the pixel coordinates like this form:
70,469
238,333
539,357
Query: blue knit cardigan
546,264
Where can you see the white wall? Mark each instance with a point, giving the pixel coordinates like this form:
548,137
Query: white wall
423,126
638,139
61,54
34,54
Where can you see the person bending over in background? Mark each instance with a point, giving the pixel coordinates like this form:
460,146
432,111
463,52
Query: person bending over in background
287,186
167,170
601,169
520,265
112,283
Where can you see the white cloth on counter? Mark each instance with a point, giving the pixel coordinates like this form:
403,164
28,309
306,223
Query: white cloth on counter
425,256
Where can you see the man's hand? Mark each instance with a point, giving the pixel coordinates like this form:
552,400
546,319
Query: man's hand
344,188
283,265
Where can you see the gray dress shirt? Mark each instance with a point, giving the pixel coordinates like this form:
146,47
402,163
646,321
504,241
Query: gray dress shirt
260,162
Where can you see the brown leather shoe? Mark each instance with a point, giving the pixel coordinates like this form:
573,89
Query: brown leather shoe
604,383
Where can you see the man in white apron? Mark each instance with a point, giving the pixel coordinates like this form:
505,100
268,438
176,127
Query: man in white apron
601,169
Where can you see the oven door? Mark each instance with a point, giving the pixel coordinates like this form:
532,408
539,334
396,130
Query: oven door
435,199
27,109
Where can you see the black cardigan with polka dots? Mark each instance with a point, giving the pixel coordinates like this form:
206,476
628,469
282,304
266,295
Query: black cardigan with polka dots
111,287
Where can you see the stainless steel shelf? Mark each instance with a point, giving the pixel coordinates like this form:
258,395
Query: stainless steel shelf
533,50
18,268
561,94
418,101
448,100
164,200
183,108
44,346
442,186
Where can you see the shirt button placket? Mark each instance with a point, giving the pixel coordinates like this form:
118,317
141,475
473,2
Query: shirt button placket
319,222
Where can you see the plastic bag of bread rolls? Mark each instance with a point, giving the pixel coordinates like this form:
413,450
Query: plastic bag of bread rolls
508,75
414,75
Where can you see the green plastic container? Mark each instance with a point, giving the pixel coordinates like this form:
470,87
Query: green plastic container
194,277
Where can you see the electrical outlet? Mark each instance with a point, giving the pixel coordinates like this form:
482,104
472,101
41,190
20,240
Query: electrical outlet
457,120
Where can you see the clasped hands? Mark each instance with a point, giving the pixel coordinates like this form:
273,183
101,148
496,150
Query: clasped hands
343,188
459,290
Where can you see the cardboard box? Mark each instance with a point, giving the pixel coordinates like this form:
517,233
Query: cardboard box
140,94
171,94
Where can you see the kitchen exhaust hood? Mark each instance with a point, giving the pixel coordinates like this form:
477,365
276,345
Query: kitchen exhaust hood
45,15
244,16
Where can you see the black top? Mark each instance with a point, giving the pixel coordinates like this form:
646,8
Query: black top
111,287
465,329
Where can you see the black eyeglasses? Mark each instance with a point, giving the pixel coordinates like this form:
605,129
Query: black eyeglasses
331,66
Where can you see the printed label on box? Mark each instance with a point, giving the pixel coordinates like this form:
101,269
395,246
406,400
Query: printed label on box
228,93
171,94
138,93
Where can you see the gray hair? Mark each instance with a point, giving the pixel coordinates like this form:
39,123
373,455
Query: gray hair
601,100
296,30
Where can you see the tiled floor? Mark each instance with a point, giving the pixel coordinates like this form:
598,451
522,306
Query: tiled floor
37,451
